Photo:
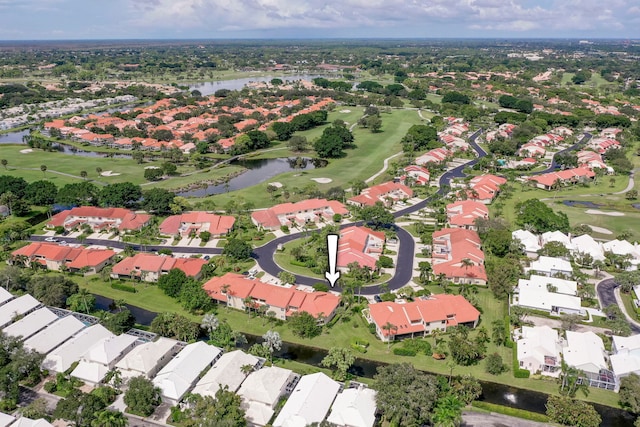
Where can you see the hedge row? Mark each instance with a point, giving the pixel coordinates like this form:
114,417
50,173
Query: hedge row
400,351
126,288
518,372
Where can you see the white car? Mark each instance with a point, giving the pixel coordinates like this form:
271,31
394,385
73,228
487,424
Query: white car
50,239
63,243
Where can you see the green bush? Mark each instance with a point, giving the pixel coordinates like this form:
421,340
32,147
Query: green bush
122,287
359,345
521,373
417,345
400,351
517,371
298,263
50,386
284,228
372,328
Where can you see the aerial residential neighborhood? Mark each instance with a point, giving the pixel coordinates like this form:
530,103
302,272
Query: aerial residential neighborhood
256,222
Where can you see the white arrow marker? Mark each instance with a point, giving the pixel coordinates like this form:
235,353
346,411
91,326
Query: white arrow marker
332,245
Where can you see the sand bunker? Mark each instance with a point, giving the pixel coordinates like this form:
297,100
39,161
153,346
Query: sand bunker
275,184
600,229
322,180
109,173
152,167
345,111
598,212
26,150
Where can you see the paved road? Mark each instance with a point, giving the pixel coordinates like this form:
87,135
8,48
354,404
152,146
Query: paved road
607,296
404,267
553,166
479,419
264,254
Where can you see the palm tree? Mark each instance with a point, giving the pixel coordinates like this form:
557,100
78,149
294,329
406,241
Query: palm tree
447,412
4,162
83,174
98,170
105,273
425,271
43,168
246,369
84,296
209,323
389,327
466,263
110,418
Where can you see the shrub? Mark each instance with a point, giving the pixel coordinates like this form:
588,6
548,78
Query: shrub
123,287
50,386
284,228
417,345
400,351
372,328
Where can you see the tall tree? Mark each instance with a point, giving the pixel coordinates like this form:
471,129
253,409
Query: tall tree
142,397
340,359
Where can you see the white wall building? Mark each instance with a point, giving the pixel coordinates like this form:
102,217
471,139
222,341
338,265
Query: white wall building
539,349
5,296
102,357
625,358
550,294
262,390
585,351
227,372
178,376
61,359
309,401
148,358
549,266
54,335
31,324
529,241
17,307
354,407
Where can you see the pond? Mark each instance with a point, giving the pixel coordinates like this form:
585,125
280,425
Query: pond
575,203
13,137
258,171
499,394
209,88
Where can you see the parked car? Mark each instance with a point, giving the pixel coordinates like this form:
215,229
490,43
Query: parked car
377,298
63,243
50,239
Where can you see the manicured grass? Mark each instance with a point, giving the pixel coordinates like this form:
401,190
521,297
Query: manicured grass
283,259
372,149
627,300
19,164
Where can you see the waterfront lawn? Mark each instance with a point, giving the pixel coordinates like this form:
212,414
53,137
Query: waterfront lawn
359,164
150,297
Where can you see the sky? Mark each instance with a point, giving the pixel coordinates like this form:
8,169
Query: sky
219,19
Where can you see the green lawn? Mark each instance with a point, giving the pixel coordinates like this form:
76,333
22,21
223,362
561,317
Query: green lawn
359,164
60,166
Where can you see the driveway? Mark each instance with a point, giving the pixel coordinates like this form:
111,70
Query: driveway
607,295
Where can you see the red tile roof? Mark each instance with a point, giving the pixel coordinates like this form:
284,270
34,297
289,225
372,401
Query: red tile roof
370,196
270,217
464,213
129,219
71,257
288,298
451,246
218,225
157,264
411,317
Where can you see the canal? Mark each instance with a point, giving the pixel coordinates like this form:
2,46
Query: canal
499,394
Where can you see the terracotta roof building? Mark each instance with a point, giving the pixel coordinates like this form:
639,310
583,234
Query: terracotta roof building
457,254
485,188
196,223
234,290
100,219
548,181
422,316
313,210
56,257
463,214
149,267
387,193
360,245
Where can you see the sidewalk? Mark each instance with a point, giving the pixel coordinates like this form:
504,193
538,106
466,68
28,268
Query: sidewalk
631,320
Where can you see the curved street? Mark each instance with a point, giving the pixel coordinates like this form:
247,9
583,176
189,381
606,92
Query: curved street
607,295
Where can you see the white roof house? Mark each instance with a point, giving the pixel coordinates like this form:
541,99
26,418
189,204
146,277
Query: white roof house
6,419
54,334
31,323
17,307
550,266
309,401
354,407
102,357
182,371
536,293
227,371
587,244
556,236
530,241
261,391
539,349
622,247
5,296
585,351
28,422
148,358
626,357
61,359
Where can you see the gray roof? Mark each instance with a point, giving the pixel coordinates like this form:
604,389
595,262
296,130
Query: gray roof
17,307
31,324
